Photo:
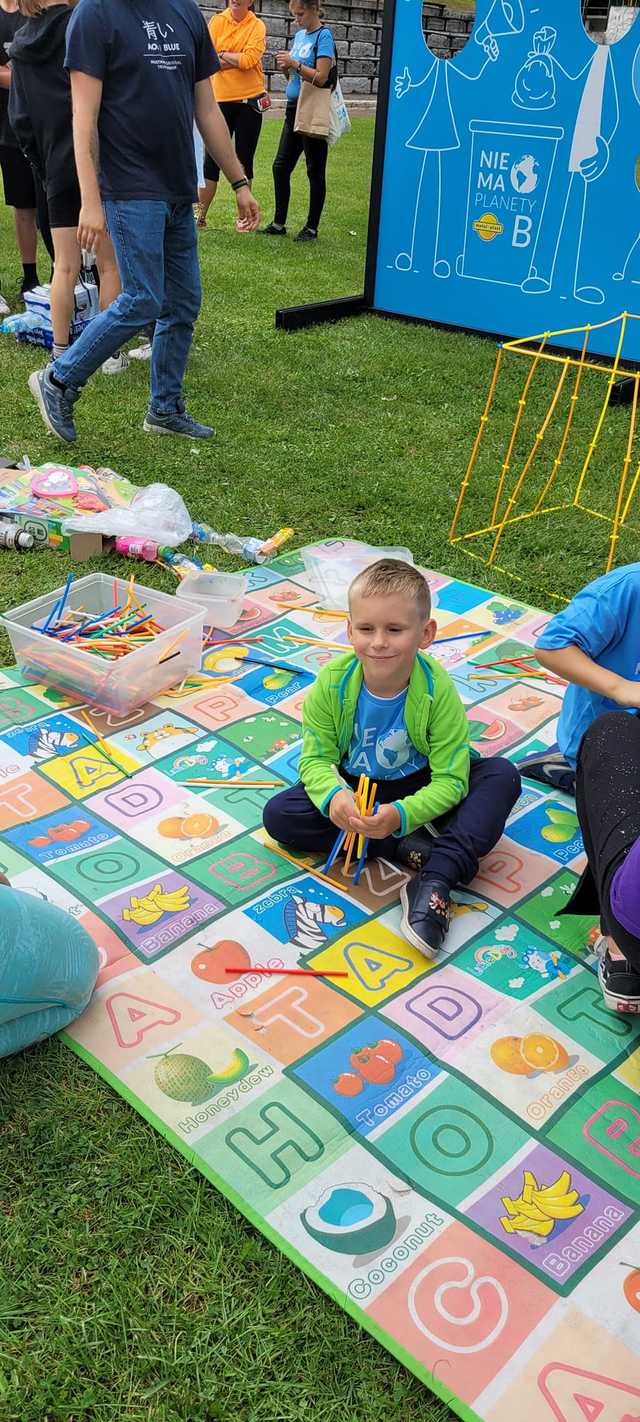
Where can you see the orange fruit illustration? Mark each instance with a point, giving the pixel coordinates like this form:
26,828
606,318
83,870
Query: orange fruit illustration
543,1053
523,1056
198,826
507,1055
171,828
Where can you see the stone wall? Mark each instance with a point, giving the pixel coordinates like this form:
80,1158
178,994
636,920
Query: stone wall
446,30
357,28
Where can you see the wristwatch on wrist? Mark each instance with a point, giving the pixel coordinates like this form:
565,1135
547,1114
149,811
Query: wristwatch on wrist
241,183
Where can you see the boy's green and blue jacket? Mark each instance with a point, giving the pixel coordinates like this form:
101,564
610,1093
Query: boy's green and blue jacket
436,724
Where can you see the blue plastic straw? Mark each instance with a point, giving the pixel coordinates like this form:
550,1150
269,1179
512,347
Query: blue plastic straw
335,851
59,607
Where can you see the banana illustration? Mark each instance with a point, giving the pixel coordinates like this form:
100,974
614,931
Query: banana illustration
539,1208
149,909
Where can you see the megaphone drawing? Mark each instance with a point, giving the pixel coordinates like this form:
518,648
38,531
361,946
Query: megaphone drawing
506,17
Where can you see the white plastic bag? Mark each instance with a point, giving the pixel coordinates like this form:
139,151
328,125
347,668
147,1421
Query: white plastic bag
339,121
157,512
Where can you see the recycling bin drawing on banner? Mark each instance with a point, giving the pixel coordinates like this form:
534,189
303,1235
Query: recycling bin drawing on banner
510,172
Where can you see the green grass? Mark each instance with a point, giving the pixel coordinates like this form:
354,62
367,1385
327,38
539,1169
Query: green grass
129,1290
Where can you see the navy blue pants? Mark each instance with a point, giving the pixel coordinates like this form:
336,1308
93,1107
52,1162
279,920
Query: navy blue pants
463,835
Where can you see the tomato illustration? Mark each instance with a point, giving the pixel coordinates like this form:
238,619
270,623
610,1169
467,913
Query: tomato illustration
348,1084
373,1066
390,1049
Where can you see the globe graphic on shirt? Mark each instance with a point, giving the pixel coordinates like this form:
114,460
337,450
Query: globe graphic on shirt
393,750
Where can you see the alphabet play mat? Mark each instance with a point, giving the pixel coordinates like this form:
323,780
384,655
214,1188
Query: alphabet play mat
452,1152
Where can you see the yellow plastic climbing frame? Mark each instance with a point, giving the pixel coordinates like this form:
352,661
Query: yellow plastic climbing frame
512,485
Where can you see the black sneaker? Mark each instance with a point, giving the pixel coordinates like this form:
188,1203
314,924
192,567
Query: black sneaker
549,768
620,984
414,850
306,234
426,912
272,230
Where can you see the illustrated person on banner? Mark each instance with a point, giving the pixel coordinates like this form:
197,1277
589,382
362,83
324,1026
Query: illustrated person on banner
597,120
437,132
631,268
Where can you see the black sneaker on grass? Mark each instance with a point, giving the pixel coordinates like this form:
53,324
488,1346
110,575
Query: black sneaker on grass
426,912
620,984
272,229
306,234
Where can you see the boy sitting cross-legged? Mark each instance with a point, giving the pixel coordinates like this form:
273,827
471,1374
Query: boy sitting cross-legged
389,711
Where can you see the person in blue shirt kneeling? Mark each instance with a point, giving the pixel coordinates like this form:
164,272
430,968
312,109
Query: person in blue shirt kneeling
594,643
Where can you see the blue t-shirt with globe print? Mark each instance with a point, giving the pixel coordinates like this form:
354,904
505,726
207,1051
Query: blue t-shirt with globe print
380,745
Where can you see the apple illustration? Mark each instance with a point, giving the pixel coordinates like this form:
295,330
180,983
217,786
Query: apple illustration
210,964
632,1289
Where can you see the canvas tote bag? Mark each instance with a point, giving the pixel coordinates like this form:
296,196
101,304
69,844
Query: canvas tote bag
313,112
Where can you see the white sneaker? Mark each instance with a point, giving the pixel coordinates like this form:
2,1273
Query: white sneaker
4,306
116,364
142,352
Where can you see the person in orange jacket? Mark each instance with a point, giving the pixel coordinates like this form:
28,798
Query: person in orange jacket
240,39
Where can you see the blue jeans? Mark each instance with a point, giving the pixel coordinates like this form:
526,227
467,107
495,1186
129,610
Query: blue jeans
156,251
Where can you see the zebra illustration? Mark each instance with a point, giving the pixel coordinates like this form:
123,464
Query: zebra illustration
305,922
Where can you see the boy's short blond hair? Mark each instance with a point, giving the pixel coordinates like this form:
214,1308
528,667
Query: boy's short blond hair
389,577
29,8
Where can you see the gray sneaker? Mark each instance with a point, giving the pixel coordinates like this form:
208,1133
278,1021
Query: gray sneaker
179,424
55,405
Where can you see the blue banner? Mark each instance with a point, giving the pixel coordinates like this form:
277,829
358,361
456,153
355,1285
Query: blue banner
510,194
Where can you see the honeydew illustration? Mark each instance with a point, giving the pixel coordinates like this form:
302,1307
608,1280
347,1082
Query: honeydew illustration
183,1077
351,1219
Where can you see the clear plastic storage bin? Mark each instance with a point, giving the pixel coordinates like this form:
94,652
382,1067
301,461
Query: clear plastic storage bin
221,595
333,567
117,686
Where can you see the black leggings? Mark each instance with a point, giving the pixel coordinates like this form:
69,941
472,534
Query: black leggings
608,808
244,121
315,150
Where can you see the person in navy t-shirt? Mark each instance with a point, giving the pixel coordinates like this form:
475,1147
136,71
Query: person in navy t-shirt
594,643
140,74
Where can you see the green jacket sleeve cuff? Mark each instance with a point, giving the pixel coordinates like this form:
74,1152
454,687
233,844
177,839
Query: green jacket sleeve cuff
324,807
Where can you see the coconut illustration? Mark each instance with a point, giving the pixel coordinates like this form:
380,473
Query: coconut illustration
351,1219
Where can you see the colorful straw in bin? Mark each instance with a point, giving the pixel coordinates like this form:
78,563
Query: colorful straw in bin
110,635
